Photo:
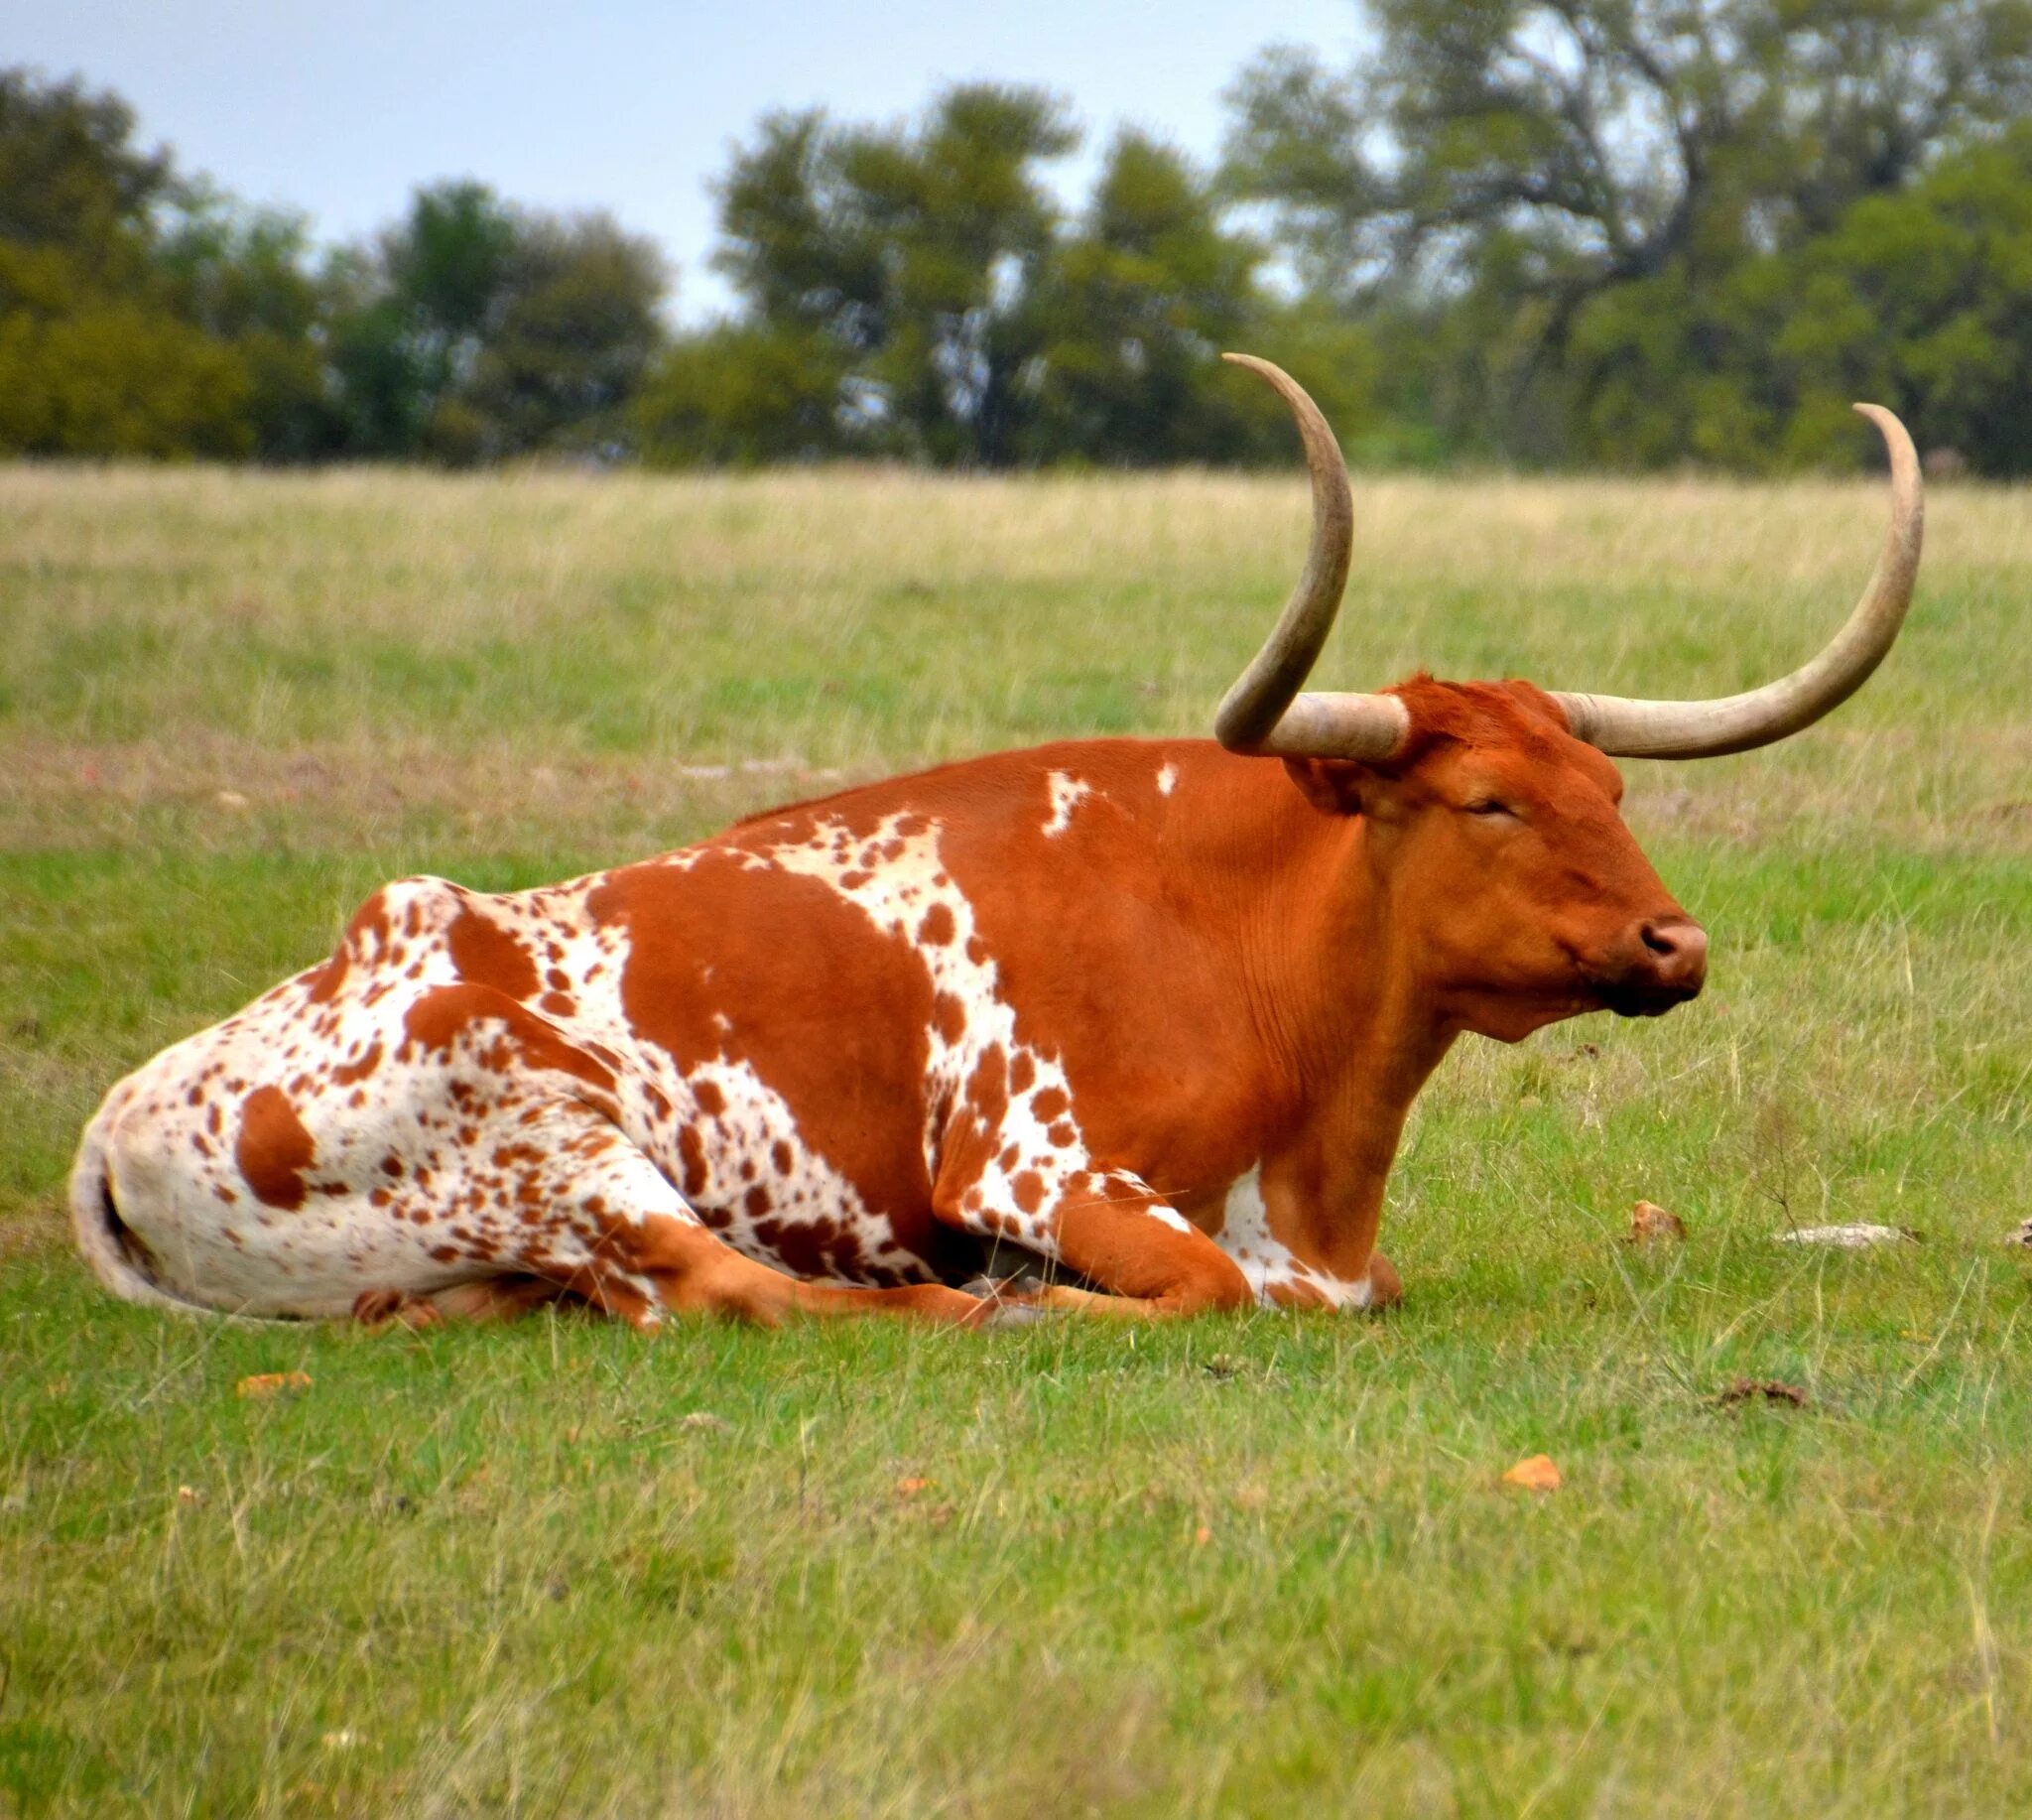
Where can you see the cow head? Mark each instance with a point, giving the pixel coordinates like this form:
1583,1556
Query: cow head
1496,849
1493,833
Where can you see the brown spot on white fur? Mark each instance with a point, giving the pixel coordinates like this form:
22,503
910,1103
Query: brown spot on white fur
273,1149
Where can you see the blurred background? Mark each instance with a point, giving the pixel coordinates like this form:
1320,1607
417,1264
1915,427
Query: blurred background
1590,233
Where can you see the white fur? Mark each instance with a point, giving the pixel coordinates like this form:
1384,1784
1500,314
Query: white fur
1264,1259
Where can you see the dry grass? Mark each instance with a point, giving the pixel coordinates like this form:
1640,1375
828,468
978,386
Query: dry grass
376,644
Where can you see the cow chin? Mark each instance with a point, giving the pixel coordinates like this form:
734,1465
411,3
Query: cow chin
1646,999
1511,1018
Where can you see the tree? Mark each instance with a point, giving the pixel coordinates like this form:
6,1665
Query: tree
1539,154
1918,299
84,374
567,339
914,291
248,279
743,394
95,355
912,248
413,307
1132,313
72,179
473,329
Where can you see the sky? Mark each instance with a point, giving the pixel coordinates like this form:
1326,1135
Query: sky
341,109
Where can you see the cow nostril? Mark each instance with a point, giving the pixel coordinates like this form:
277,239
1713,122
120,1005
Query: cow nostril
1661,961
1677,945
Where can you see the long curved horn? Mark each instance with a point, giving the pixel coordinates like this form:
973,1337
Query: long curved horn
1736,722
1259,713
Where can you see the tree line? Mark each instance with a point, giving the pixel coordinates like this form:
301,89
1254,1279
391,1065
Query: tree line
1609,232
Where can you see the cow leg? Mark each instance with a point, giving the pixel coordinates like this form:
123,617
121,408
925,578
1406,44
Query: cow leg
501,1298
595,1222
1386,1290
514,1186
1146,1260
689,1270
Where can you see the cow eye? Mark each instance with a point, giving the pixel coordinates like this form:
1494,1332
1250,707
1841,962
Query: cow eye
1487,805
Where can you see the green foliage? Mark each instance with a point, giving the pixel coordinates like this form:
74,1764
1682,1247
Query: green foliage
475,330
95,359
449,262
105,376
1132,314
913,290
142,313
247,278
1625,232
69,177
916,249
1633,225
1918,300
569,335
145,313
741,396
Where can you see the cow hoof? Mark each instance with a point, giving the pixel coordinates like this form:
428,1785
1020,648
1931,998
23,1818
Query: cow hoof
1004,1315
1386,1287
379,1308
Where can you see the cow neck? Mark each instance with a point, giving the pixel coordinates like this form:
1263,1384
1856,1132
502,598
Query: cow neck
1341,1014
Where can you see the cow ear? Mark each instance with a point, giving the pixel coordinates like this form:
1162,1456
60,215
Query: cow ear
1331,785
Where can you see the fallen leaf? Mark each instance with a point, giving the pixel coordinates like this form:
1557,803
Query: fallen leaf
272,1383
1857,1237
912,1488
230,799
704,1421
1652,1225
188,1494
1201,1536
1771,1389
1537,1474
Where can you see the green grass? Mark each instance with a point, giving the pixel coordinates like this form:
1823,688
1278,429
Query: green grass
1254,1565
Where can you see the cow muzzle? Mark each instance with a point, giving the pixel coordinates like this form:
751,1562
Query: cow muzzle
1659,963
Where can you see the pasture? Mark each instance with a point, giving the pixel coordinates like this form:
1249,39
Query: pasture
1257,1565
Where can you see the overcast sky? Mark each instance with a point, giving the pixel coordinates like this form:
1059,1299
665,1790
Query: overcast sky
340,108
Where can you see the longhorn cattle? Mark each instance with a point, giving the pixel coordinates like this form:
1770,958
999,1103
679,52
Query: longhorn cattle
1150,1011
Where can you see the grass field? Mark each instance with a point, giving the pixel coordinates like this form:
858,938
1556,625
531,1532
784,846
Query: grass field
1258,1565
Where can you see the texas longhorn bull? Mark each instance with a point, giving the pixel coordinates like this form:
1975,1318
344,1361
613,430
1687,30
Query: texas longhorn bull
1152,1011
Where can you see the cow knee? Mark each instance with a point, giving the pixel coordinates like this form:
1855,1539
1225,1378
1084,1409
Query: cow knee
1209,1285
